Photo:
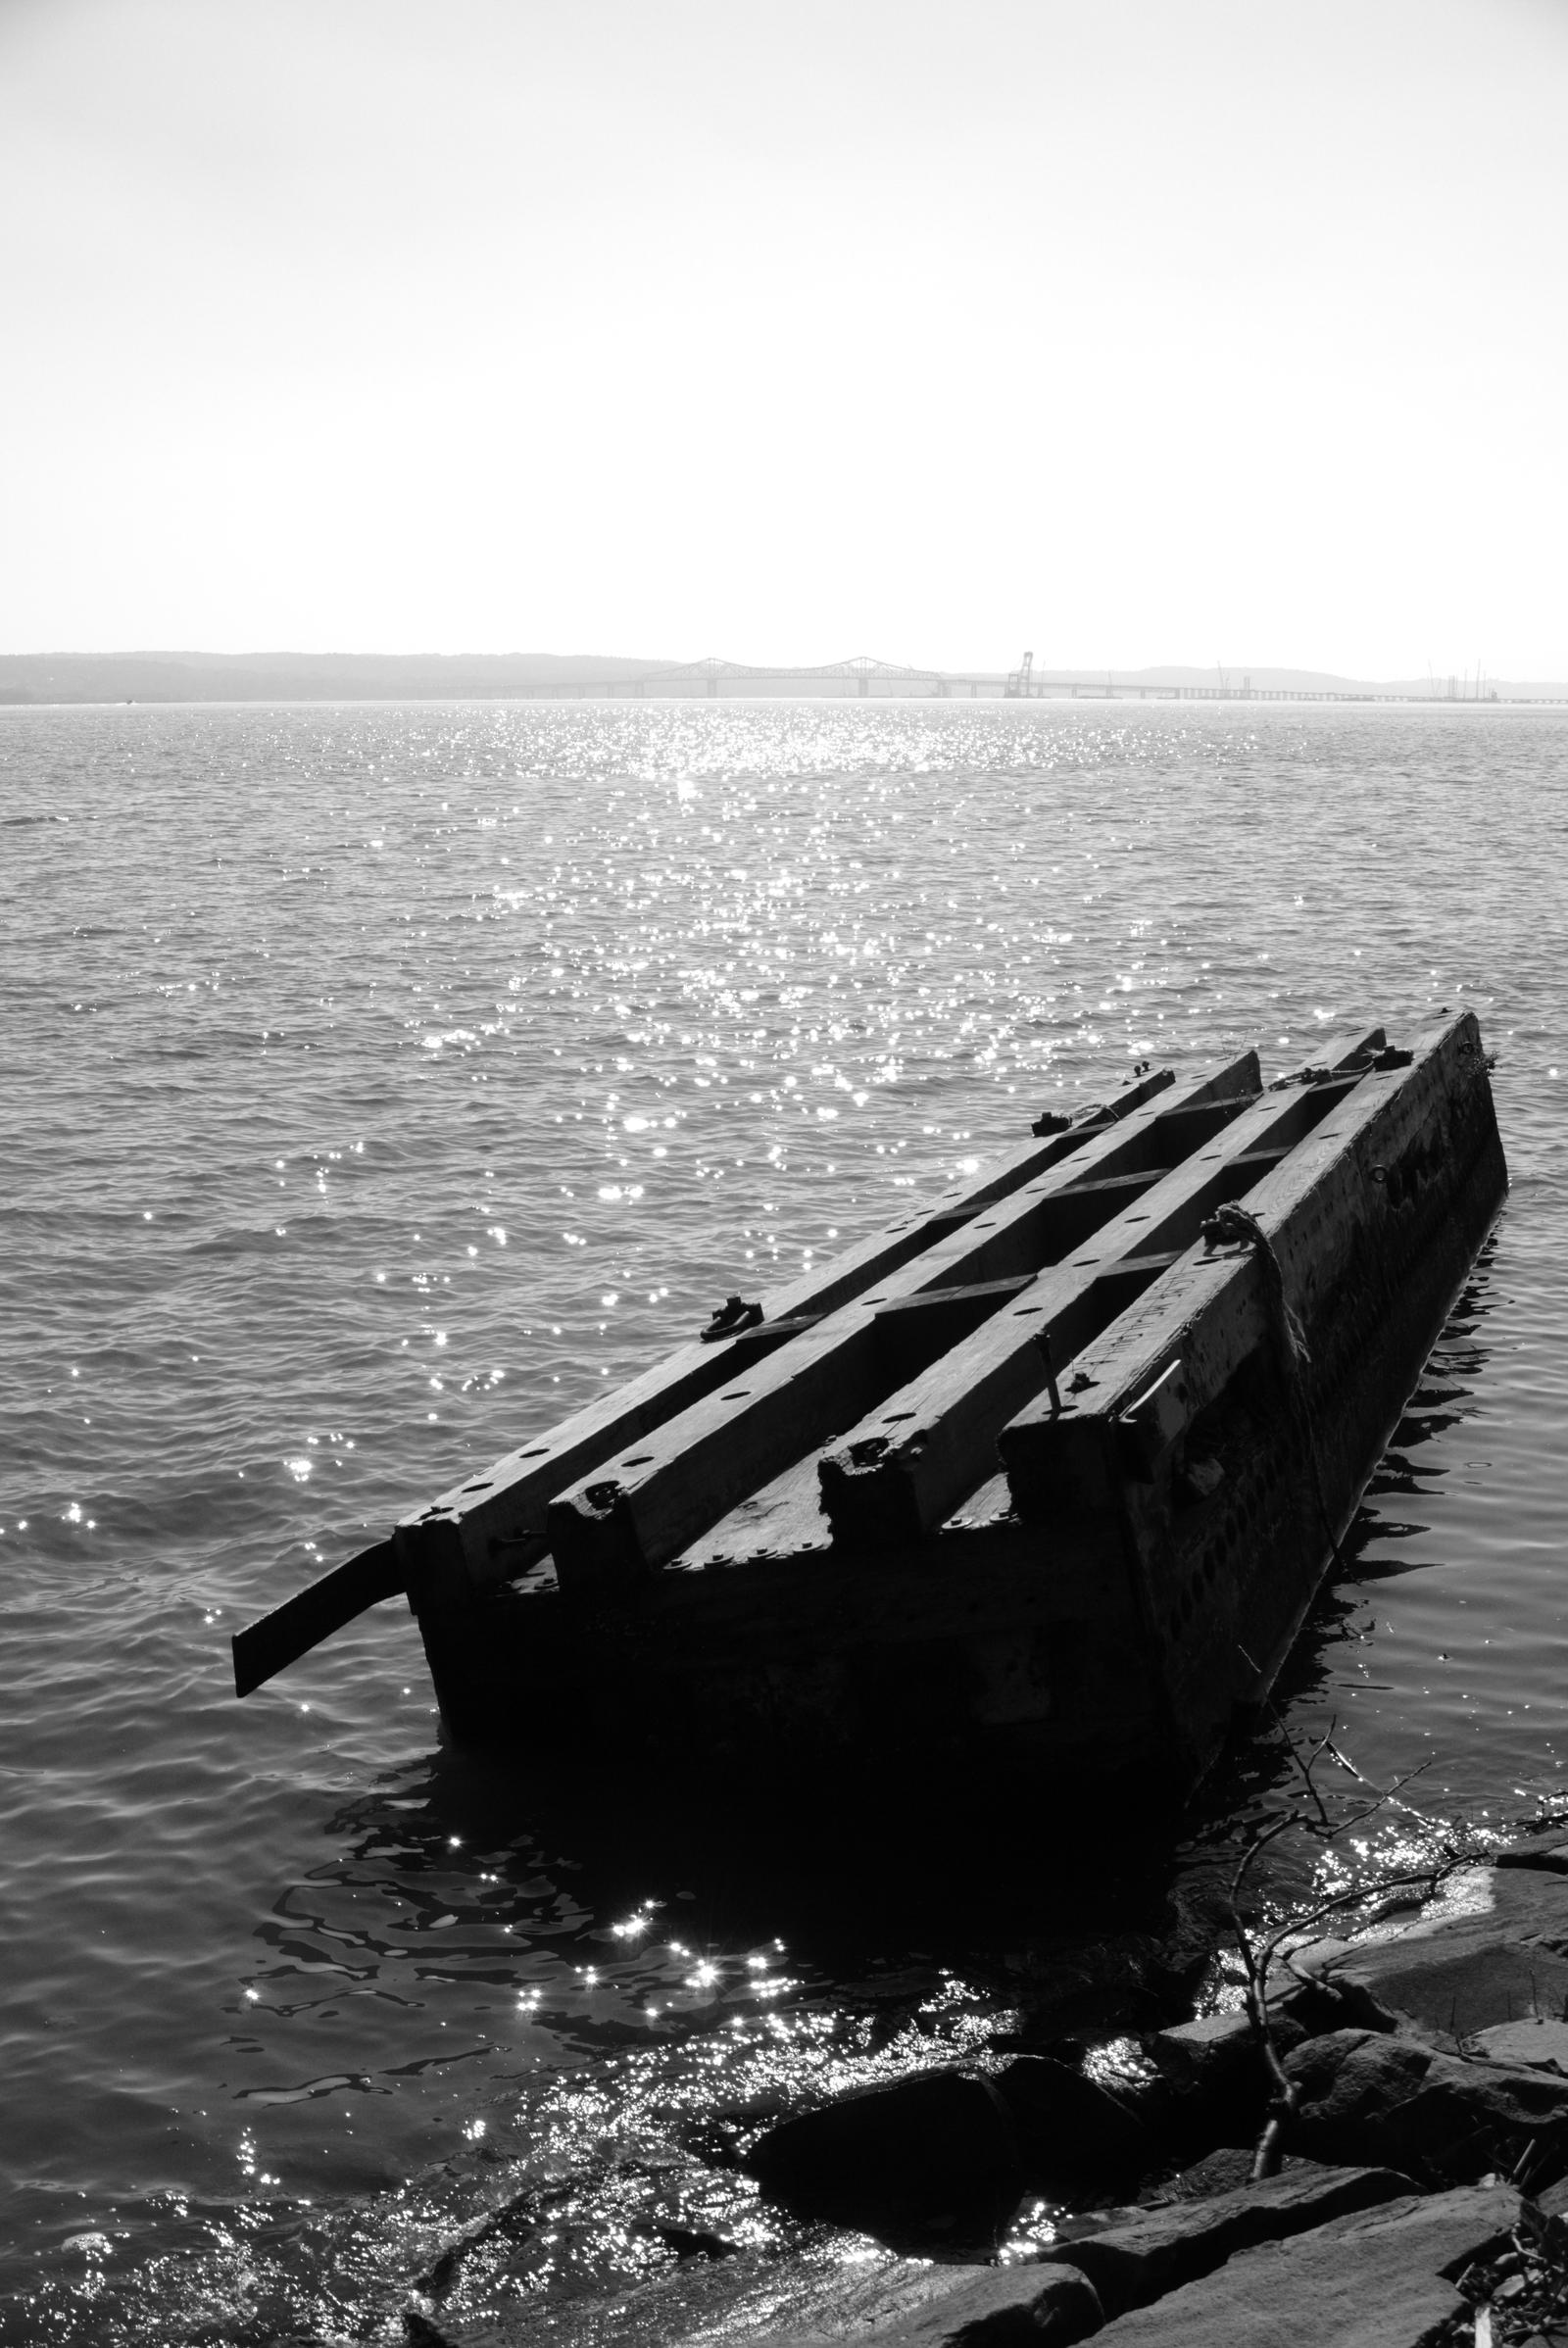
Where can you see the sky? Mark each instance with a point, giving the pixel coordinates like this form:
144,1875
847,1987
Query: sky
1222,331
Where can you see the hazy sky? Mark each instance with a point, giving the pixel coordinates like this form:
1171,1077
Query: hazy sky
1125,329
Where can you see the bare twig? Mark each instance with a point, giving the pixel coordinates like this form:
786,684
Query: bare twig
1311,1812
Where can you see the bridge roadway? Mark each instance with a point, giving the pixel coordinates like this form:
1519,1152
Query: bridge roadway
865,678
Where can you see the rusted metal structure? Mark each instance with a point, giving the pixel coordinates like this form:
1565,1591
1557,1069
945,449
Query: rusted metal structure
1048,1473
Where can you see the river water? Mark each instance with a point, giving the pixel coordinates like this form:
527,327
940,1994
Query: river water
380,1082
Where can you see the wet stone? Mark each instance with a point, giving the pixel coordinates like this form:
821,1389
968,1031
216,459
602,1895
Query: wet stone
1452,1977
1547,1851
1156,2251
1075,2137
935,2154
758,2302
1214,2071
1366,2096
1191,2051
1003,2307
1538,2044
1221,2170
1381,2278
891,2301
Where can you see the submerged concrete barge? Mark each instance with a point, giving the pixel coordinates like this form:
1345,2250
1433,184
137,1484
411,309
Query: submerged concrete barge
1048,1473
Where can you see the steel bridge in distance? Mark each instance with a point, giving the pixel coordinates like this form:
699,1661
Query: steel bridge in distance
867,678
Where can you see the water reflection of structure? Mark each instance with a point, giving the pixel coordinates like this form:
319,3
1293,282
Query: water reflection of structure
1346,1620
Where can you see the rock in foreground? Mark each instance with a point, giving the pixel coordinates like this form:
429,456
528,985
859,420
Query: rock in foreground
1032,2306
1367,2096
1134,2264
1379,2279
1075,2137
934,2154
1449,1976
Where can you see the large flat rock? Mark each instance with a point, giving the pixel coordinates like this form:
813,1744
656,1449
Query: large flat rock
1034,2306
800,2303
1383,2278
1368,2097
1137,2262
1452,1976
1540,2044
1548,1850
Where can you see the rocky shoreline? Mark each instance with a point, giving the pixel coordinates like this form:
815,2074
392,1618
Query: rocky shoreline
1422,2196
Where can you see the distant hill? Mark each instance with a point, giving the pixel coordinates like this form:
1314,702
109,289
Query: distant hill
196,676
300,676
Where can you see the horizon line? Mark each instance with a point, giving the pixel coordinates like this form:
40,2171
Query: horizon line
1474,680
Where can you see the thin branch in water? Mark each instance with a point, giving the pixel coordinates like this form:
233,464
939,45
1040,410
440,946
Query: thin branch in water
1311,1814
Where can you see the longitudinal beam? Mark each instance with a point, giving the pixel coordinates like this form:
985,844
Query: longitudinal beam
266,1647
491,1527
1152,1374
639,1509
852,1272
1216,1430
897,1475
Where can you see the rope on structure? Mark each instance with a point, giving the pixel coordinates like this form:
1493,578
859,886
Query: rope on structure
1232,1225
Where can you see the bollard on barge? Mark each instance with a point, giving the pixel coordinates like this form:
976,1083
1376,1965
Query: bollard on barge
1044,1476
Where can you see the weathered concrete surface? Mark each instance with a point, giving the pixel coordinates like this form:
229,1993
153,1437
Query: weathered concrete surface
1370,2096
936,2153
1378,2280
1373,1222
1449,1977
492,1526
1139,2261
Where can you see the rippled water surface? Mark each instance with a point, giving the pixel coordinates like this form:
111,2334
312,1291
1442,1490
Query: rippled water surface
382,1080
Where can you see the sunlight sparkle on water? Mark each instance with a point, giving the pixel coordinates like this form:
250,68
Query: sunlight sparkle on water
623,960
